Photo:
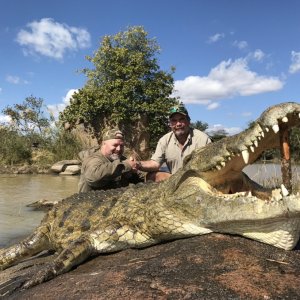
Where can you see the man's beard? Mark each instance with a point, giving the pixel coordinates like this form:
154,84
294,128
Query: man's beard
114,156
180,132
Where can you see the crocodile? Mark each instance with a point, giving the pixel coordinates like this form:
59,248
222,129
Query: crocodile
210,193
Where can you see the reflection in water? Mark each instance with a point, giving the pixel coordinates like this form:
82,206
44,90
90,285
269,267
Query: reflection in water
17,220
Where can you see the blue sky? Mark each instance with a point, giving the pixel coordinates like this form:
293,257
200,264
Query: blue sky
233,58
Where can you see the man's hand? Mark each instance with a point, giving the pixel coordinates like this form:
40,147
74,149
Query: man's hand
133,163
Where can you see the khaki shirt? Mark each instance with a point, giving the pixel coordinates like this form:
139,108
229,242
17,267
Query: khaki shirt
168,150
98,172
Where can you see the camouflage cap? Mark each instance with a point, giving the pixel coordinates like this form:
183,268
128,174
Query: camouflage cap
178,109
112,134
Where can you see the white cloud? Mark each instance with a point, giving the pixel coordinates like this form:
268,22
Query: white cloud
213,105
55,109
258,55
217,127
240,44
295,65
15,80
12,79
4,119
226,80
215,38
49,38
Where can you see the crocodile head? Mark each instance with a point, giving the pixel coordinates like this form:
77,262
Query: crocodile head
221,163
212,185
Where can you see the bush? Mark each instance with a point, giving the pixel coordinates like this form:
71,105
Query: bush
14,148
64,145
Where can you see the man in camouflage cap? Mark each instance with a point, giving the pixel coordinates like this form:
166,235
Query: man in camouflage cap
174,146
107,168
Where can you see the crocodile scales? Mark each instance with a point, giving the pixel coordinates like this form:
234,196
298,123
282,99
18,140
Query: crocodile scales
210,193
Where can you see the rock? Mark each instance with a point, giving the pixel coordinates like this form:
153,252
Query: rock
26,170
62,165
212,266
71,170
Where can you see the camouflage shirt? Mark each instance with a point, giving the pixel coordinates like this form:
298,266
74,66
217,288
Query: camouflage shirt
98,172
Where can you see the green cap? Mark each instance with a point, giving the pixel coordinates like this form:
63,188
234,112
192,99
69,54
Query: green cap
112,134
178,109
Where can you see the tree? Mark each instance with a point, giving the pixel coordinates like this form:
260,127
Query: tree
126,88
28,117
218,134
14,147
200,125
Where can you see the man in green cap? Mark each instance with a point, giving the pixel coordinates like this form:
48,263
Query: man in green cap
107,168
174,146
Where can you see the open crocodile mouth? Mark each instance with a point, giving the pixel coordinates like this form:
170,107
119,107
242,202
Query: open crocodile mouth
220,164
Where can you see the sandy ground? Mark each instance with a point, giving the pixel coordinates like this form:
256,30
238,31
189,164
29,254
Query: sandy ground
214,266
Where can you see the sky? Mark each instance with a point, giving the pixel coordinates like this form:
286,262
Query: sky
233,58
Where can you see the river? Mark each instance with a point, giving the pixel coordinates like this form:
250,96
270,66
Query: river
17,220
16,191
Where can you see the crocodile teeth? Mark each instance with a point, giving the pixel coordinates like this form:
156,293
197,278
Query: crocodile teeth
218,167
284,191
276,195
223,163
259,129
267,129
284,119
245,155
262,134
252,148
275,128
255,143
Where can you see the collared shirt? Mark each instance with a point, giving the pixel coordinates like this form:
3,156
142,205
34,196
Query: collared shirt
168,150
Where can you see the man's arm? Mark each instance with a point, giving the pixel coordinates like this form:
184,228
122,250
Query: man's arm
95,169
148,165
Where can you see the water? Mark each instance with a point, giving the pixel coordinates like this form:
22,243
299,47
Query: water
17,220
16,191
270,174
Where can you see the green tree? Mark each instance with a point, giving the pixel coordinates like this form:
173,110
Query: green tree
126,88
14,147
28,117
200,125
218,135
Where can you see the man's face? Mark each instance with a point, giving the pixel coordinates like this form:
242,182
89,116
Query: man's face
179,124
112,149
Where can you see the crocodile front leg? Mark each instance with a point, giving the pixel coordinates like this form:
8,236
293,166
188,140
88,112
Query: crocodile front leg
35,243
109,239
77,252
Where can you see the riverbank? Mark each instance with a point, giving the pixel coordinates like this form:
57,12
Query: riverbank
25,169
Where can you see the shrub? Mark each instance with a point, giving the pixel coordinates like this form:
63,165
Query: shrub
14,148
